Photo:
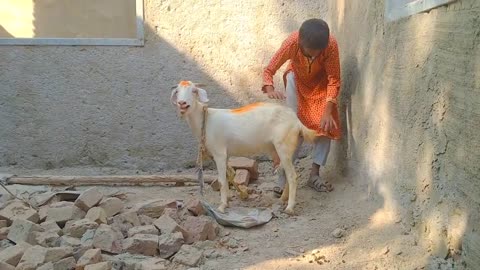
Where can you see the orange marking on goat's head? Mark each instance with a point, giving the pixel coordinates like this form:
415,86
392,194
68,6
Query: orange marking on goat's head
184,83
246,108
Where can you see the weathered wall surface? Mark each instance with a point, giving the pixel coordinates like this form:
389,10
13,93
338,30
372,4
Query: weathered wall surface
411,99
69,106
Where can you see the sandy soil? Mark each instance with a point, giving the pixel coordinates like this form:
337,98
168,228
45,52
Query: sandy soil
372,237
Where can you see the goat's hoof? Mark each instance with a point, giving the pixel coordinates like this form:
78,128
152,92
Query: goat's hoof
289,211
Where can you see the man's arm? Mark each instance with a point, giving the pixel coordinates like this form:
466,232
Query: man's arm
278,59
332,68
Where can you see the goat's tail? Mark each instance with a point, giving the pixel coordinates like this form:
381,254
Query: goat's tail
309,135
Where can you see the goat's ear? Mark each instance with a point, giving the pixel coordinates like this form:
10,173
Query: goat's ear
202,95
173,96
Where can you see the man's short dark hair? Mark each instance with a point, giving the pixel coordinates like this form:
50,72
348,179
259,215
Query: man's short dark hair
314,34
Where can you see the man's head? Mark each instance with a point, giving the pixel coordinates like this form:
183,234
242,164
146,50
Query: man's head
314,35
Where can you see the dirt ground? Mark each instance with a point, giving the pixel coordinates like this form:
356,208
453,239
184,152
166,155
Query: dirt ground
372,238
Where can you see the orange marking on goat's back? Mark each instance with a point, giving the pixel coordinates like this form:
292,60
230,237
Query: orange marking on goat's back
184,83
246,108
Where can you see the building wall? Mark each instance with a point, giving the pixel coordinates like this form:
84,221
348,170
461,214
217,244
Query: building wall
410,98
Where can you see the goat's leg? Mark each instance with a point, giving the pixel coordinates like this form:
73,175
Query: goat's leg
221,162
286,150
292,187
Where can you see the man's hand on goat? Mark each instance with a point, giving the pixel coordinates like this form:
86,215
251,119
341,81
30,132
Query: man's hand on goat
273,94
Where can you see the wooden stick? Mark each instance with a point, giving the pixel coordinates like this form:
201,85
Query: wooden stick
108,180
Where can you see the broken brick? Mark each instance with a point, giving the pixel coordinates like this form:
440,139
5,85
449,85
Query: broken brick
46,239
32,258
199,229
50,226
6,266
169,244
173,213
154,264
166,224
46,266
5,243
18,210
155,208
145,220
97,214
62,212
3,224
127,261
238,163
91,256
108,239
78,227
13,254
147,229
195,207
100,266
242,177
88,199
188,255
68,241
4,233
23,231
54,254
65,264
87,238
111,206
145,244
125,221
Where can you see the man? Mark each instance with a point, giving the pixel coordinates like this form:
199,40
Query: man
312,82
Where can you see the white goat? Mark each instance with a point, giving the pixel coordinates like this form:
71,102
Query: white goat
259,128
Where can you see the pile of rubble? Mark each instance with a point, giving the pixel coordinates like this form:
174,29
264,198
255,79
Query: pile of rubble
96,232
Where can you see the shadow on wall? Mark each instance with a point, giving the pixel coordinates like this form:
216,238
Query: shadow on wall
394,86
4,33
99,106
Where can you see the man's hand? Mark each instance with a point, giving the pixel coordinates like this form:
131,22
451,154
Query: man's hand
327,123
271,93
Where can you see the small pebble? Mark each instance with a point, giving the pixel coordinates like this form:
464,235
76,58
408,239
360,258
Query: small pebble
338,233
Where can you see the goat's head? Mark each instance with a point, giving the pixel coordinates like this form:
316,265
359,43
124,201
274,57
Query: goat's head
186,96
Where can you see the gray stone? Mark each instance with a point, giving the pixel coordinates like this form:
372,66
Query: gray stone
188,255
145,244
169,244
78,227
88,199
23,231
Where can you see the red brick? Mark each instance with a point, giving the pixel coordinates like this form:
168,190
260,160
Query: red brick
90,256
195,207
166,224
199,229
251,165
242,177
144,244
88,199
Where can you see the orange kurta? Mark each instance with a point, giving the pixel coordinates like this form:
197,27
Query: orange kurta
317,82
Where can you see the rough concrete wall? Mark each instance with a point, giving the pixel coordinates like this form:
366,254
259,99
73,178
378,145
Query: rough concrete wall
69,106
410,104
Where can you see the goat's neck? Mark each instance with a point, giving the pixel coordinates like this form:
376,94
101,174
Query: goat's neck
194,121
